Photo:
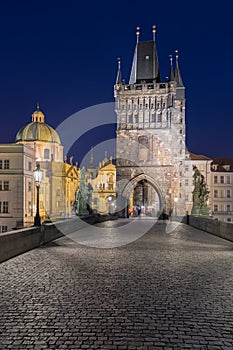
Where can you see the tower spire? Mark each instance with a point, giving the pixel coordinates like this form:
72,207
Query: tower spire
154,31
178,78
137,33
171,75
118,79
145,66
91,163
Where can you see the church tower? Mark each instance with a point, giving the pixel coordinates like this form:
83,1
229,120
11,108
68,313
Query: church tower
150,150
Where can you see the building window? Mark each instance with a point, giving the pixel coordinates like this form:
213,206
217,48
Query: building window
228,219
186,198
30,166
6,185
30,208
6,164
222,179
159,118
215,193
186,168
153,118
143,147
228,193
215,179
215,207
0,164
29,186
130,118
228,207
186,182
4,207
228,179
46,153
3,229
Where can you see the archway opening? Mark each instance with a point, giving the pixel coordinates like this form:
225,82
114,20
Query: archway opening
144,200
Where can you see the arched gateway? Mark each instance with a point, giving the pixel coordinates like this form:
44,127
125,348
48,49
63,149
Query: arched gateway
143,191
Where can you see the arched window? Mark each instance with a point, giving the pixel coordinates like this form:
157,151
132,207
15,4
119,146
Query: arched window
46,153
143,148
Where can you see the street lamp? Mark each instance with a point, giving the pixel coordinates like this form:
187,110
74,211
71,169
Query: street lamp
37,177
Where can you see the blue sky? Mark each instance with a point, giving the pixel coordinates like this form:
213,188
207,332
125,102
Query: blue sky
63,54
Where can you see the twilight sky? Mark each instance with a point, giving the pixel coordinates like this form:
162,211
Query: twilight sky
63,54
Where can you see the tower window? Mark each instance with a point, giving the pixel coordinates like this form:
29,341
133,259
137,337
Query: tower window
147,57
143,148
159,118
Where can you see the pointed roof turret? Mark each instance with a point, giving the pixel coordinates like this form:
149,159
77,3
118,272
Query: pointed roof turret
119,79
178,78
91,163
145,67
105,161
171,74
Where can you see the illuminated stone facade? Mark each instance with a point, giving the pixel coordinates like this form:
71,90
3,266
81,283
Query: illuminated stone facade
104,188
150,143
17,195
60,178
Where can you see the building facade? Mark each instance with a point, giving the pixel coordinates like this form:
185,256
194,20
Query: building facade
104,188
222,189
151,135
17,190
60,178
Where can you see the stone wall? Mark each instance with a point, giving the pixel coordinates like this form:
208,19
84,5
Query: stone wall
20,241
218,228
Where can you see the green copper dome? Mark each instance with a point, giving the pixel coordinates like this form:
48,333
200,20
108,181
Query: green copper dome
37,130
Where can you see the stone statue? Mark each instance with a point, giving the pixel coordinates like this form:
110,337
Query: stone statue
200,195
84,195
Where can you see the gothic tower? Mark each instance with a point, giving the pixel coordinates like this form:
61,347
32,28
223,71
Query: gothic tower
150,150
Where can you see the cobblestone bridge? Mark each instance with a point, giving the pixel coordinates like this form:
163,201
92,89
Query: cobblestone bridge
162,291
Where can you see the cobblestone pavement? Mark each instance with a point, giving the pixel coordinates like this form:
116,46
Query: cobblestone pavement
163,291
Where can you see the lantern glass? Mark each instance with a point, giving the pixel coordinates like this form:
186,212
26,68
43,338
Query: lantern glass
38,174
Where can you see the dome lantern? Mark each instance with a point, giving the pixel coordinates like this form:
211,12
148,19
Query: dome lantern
38,116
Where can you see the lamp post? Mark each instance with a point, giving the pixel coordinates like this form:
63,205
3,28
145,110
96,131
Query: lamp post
37,177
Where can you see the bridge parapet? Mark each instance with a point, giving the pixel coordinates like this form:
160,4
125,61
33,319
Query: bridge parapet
218,228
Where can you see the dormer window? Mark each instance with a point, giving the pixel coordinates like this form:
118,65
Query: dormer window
227,167
215,167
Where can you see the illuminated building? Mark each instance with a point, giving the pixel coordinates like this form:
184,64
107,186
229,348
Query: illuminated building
150,144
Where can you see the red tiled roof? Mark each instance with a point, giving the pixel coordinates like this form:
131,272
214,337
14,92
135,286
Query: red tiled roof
194,156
